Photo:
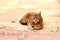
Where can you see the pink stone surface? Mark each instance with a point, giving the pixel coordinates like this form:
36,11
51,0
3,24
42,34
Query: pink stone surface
19,35
11,35
8,37
43,36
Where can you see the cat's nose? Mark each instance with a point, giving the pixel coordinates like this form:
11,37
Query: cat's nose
35,21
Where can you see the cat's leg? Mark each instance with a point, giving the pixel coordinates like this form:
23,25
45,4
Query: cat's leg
23,21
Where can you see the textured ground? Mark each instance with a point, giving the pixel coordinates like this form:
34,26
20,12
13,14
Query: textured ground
12,10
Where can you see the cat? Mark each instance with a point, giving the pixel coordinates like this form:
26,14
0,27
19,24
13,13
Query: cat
33,19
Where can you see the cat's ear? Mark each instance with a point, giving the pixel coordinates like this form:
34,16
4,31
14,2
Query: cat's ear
39,13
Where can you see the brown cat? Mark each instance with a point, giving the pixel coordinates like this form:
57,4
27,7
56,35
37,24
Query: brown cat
33,19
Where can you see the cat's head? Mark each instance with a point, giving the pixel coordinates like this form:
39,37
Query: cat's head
36,21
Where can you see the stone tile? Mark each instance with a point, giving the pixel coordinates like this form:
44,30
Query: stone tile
43,36
11,35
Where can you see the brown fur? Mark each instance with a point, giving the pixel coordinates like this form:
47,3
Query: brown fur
33,19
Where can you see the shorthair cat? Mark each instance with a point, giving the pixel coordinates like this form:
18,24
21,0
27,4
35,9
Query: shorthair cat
32,19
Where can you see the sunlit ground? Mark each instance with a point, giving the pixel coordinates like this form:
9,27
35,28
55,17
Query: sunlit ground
13,10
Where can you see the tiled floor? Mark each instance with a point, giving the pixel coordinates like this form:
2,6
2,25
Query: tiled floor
24,35
11,12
